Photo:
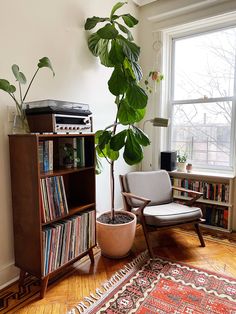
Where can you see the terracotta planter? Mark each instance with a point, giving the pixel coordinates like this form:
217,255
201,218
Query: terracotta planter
116,241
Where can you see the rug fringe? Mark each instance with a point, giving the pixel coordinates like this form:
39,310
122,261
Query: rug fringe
92,299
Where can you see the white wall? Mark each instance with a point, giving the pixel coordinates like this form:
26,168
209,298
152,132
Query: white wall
30,30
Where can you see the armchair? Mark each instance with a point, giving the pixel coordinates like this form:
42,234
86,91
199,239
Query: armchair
150,196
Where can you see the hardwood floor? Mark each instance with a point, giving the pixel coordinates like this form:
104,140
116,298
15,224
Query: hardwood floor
175,244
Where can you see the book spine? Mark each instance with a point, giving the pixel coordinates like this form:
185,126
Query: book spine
50,155
46,156
41,153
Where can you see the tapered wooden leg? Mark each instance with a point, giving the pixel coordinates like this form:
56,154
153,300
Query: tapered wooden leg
91,256
21,279
44,284
198,230
146,235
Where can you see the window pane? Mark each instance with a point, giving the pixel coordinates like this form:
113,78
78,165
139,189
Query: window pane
204,132
204,65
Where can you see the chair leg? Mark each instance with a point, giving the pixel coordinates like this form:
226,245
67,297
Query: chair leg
148,242
198,230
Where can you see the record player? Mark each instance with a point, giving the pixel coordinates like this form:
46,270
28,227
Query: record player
56,116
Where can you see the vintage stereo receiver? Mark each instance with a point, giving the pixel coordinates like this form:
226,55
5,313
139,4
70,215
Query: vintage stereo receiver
56,116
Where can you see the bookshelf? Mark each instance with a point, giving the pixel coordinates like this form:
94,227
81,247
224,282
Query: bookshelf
53,205
217,200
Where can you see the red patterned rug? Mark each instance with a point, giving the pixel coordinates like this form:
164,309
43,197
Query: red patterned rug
160,286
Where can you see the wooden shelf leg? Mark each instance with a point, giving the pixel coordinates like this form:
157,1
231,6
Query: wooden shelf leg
91,256
21,279
44,284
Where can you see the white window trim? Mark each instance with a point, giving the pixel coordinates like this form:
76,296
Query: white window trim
187,30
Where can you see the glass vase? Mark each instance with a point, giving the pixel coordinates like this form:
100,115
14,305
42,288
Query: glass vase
20,124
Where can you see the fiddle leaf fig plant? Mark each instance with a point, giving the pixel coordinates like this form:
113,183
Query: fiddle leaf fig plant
21,79
114,45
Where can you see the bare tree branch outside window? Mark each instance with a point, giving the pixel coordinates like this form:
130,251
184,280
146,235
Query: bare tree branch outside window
204,76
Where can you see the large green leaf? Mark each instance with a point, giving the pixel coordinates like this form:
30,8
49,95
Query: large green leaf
103,51
108,32
141,137
126,31
118,140
126,114
107,152
20,77
97,136
116,54
46,63
129,20
116,7
131,50
118,82
92,22
104,138
98,163
133,152
111,154
6,86
100,152
93,44
136,96
129,70
139,114
137,71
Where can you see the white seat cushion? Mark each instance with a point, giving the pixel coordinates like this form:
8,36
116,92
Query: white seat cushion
170,214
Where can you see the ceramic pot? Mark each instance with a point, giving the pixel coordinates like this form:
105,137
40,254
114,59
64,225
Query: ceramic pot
181,166
116,241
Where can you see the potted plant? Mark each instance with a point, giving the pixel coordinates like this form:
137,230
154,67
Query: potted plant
69,155
114,45
181,161
20,122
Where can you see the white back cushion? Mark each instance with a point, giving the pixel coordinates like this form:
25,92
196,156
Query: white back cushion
154,185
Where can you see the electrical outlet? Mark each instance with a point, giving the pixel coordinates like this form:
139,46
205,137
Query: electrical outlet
11,112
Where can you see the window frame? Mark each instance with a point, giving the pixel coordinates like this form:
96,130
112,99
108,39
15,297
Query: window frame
169,36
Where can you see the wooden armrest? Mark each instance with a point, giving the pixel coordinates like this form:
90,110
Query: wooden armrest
195,197
145,201
140,198
187,191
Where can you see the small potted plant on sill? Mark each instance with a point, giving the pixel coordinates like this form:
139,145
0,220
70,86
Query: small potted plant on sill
181,162
20,124
114,45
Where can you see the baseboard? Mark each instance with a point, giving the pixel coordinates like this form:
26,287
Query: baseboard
8,274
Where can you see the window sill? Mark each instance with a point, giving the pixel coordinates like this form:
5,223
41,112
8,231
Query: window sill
205,174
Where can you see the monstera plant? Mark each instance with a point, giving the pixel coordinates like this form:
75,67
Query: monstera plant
20,78
114,45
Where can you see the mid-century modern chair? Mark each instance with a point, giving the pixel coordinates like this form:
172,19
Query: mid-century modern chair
150,196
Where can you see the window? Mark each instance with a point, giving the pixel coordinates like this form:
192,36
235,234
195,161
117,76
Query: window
203,93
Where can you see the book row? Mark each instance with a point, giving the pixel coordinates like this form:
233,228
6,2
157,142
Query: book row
211,191
66,239
216,216
67,151
54,202
46,156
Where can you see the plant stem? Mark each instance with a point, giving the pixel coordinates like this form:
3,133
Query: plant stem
30,84
20,93
112,183
112,125
112,179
